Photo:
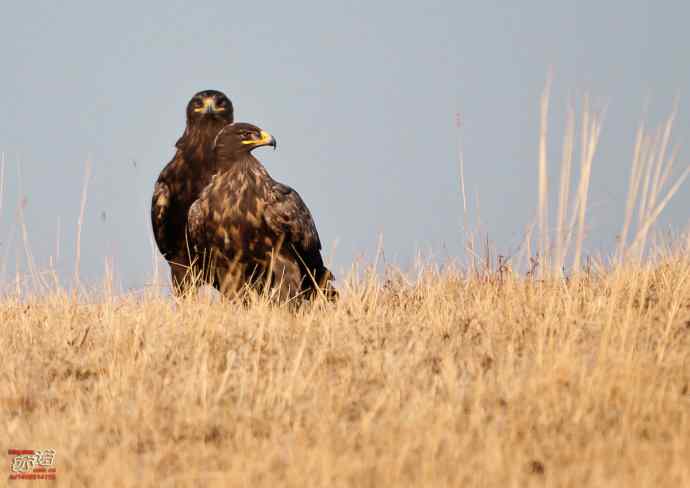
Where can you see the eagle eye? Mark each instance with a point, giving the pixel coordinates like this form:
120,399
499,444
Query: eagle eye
221,102
198,103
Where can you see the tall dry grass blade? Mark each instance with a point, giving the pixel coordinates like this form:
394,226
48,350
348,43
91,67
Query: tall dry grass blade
155,264
564,190
542,210
30,263
650,150
9,242
654,213
668,170
589,148
660,160
80,222
589,136
650,174
633,188
21,206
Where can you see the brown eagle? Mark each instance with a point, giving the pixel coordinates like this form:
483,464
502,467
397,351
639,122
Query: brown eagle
256,231
182,180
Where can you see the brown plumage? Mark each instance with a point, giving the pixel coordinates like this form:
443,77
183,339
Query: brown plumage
253,229
182,180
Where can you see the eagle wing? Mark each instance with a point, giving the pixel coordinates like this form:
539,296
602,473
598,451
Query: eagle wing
196,223
287,214
160,204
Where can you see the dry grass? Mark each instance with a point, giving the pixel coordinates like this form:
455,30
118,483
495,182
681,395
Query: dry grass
460,377
455,380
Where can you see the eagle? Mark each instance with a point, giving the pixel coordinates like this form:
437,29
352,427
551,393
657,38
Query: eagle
182,180
255,231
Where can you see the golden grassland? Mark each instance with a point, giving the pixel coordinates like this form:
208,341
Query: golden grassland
453,380
461,376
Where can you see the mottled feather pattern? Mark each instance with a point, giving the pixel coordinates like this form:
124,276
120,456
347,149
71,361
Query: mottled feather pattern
159,210
288,214
256,228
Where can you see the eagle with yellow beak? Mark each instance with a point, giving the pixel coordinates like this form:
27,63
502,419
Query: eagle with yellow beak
182,180
254,231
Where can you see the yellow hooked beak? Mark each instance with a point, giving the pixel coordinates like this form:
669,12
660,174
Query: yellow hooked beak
209,107
265,139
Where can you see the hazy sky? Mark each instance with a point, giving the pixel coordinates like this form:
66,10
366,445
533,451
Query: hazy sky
361,97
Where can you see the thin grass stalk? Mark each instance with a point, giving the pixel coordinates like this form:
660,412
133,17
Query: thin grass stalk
80,221
543,217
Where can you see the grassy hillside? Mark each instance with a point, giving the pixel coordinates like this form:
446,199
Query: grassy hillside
479,380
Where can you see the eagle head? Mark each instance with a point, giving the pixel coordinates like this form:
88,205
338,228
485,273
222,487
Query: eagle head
209,106
240,138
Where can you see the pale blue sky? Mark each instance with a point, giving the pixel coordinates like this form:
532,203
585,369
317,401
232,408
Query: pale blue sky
361,96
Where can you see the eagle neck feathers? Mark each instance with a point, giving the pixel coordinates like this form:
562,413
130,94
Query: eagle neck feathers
196,144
